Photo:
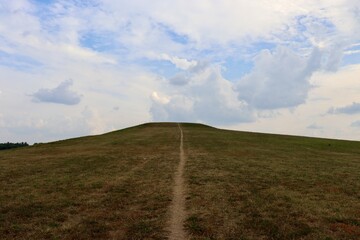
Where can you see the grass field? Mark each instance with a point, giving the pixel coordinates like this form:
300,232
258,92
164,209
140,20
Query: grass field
117,186
239,186
258,186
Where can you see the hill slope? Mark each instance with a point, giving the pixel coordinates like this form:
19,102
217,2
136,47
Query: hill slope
238,186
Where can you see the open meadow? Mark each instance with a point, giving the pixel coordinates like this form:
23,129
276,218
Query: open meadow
238,185
260,186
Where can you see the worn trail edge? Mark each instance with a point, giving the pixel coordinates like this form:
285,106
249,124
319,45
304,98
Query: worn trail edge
177,208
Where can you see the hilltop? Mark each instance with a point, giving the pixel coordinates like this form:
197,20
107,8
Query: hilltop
236,185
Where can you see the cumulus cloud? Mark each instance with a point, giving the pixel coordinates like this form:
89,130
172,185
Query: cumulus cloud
280,79
354,108
61,94
207,97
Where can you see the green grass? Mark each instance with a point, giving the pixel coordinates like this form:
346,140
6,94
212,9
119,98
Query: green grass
239,186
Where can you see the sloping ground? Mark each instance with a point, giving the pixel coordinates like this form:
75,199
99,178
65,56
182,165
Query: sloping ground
260,186
113,186
238,186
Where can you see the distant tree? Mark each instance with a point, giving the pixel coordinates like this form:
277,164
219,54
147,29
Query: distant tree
9,145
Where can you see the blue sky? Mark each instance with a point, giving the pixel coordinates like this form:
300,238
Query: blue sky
74,68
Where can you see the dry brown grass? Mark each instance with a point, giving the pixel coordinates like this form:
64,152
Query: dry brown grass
239,186
114,186
258,186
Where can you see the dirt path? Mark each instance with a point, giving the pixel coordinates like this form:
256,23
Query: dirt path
177,209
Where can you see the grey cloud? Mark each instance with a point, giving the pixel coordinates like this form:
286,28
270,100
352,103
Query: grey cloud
61,94
279,79
180,79
354,108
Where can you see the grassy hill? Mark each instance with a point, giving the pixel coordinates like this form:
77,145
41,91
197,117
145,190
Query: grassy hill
239,185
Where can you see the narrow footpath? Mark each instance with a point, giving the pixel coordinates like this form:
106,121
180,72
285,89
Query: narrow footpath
177,208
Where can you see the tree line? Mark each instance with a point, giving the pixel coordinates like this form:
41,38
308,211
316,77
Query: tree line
10,145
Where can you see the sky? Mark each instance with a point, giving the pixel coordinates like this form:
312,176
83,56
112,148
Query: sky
76,68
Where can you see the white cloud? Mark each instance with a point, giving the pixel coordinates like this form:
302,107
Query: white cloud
214,23
50,41
178,26
280,79
61,94
207,97
220,22
180,63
